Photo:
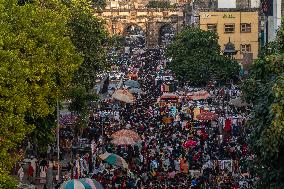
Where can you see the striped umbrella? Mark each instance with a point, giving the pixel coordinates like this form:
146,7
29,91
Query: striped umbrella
114,159
93,183
81,184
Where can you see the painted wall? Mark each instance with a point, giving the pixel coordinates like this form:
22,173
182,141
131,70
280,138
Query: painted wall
238,38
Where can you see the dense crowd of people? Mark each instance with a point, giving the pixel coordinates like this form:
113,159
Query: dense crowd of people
176,149
217,157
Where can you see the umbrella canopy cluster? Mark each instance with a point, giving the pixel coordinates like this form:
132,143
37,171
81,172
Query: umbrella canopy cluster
199,95
81,184
207,116
114,159
123,95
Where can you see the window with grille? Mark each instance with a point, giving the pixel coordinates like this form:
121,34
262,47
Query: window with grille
229,28
245,48
212,27
245,27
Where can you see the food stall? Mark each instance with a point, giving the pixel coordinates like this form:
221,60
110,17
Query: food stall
168,99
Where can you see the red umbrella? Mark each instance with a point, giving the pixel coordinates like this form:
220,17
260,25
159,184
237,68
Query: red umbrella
207,116
190,144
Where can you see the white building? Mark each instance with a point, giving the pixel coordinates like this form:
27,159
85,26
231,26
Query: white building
274,21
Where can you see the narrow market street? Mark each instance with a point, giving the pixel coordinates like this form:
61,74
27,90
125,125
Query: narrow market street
159,135
156,94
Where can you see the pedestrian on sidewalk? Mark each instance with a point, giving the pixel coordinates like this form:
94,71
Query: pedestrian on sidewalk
30,172
21,173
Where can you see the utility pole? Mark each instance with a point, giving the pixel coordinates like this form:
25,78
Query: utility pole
58,147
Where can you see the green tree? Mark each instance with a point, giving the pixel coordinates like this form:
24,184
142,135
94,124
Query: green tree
80,103
89,36
264,88
195,58
38,60
160,4
99,4
43,134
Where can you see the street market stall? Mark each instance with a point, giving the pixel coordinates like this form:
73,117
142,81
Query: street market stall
199,95
168,98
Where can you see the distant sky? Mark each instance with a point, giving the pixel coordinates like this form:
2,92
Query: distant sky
226,3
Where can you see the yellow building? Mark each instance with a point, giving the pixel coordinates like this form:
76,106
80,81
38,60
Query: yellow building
241,27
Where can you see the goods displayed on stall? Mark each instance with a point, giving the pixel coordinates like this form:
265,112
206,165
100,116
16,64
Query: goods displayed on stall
114,159
168,86
123,95
168,98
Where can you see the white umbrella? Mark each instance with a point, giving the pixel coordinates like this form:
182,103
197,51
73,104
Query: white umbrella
123,95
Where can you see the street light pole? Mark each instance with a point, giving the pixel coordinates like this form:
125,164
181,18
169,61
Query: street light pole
57,136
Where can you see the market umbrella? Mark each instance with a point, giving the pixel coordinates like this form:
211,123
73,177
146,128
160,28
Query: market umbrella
132,83
93,183
123,95
114,159
123,141
238,102
126,133
199,95
81,184
207,116
190,144
136,91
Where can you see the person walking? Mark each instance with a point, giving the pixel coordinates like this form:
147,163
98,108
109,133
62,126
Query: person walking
21,173
30,172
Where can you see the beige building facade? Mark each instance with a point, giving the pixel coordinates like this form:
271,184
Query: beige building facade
242,28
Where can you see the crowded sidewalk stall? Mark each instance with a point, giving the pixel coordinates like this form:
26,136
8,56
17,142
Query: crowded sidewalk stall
199,95
168,99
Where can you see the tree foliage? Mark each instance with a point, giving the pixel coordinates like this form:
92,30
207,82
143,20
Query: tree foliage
37,61
265,90
99,4
161,4
80,99
89,35
196,58
79,105
43,134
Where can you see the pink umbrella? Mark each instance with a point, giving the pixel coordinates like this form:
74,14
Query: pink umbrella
190,144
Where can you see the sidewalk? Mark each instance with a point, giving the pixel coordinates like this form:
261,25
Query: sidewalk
26,184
